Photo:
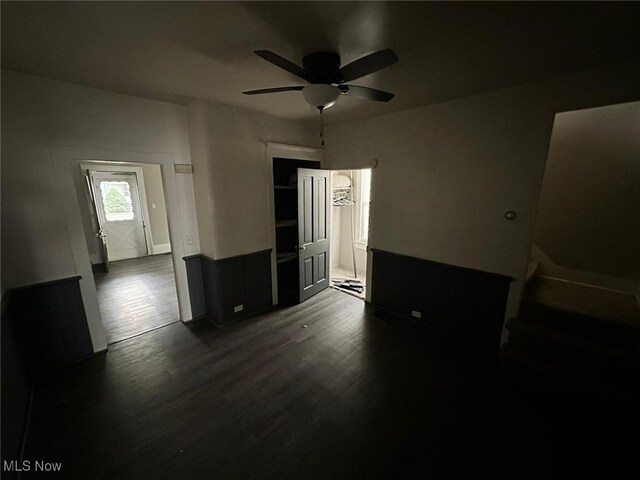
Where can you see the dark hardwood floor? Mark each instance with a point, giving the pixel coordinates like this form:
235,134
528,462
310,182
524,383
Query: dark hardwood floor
136,296
323,390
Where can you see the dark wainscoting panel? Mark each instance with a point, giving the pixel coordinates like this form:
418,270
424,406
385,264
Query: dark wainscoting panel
193,265
467,304
51,323
16,388
216,287
44,327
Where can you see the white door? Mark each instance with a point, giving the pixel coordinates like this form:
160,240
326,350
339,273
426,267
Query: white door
99,228
120,212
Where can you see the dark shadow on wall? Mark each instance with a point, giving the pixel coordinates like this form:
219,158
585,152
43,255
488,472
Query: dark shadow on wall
16,388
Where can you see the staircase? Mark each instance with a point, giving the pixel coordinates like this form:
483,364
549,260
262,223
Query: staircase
583,360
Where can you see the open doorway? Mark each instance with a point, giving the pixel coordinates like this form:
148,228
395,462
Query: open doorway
351,200
585,258
129,246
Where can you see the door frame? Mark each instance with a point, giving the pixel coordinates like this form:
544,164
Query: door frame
142,194
360,165
368,256
181,221
295,152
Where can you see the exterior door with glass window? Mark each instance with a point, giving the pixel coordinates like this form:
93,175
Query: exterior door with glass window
118,203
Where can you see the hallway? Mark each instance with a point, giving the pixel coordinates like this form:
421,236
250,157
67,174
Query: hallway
136,296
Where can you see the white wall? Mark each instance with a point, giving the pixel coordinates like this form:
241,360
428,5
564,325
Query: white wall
336,232
48,129
346,252
232,178
448,172
156,205
589,214
341,234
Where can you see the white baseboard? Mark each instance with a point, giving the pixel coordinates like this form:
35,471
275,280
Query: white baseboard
95,258
161,248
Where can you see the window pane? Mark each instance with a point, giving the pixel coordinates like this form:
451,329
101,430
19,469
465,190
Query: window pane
116,199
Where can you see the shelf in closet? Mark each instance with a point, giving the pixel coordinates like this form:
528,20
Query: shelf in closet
286,257
286,223
285,187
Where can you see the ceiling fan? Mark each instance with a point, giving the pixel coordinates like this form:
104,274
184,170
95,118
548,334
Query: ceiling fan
327,79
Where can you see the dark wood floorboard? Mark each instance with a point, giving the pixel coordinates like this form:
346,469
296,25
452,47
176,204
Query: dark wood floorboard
136,296
322,390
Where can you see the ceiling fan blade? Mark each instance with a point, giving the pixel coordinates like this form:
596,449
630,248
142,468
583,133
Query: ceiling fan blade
283,63
366,93
272,90
369,64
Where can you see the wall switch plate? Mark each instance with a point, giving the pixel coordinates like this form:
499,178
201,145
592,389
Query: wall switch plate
416,314
238,308
188,239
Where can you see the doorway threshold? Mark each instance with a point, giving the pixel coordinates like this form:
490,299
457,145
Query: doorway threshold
120,340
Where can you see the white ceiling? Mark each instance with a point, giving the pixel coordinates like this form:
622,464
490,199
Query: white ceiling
179,51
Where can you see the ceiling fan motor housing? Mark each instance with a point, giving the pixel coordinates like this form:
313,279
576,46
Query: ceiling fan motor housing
323,67
328,79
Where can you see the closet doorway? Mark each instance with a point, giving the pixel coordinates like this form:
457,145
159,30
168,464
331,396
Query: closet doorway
350,211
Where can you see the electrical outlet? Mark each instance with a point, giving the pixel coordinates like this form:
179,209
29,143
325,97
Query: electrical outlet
188,239
238,308
416,314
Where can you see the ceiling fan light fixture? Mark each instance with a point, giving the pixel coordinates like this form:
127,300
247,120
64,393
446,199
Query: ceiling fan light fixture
320,95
